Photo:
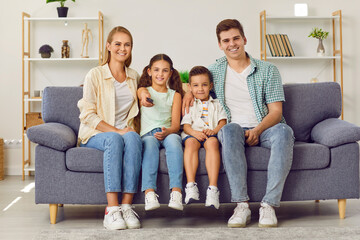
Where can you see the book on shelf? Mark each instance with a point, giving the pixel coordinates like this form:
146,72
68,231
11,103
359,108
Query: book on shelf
280,54
274,45
285,45
288,44
272,51
281,44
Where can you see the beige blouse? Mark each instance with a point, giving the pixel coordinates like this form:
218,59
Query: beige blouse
98,102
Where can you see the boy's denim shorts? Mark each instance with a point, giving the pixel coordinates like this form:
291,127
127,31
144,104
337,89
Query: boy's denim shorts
201,142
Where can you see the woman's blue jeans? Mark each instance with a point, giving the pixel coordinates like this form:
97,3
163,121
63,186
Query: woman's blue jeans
278,138
122,159
151,157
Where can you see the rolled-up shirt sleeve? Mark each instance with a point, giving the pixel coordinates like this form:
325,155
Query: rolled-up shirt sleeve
186,119
88,104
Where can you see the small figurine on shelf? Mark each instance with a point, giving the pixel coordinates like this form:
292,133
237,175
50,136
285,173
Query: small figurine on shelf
65,49
85,41
45,51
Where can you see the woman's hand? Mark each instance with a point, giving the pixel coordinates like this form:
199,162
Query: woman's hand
188,101
125,130
163,134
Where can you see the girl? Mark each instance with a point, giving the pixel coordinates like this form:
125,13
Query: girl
107,111
160,123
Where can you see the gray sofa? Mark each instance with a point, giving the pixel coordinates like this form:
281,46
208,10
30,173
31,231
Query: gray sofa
325,165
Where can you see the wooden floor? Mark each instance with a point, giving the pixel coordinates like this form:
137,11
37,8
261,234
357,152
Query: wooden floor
21,218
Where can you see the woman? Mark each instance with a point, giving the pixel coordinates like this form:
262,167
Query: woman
107,115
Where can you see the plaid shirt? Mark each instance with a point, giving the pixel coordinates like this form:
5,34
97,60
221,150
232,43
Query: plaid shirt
264,83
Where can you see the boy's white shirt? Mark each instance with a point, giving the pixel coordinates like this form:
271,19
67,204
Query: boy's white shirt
215,113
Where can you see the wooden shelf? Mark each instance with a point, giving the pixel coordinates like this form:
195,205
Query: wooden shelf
300,18
62,19
59,59
33,99
304,58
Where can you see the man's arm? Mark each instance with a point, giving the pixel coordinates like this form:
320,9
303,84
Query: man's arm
273,118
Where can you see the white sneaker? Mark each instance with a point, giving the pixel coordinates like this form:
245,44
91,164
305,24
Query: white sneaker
241,216
212,197
113,219
151,201
176,200
130,216
267,216
192,193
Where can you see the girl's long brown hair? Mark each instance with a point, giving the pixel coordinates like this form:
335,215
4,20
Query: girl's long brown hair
174,81
107,54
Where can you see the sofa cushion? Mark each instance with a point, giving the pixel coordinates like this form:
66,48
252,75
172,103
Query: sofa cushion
308,104
83,159
306,156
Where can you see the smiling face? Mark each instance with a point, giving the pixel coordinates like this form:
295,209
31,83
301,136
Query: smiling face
160,72
120,47
233,44
200,86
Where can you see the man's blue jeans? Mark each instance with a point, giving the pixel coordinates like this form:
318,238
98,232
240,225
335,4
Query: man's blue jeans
279,139
122,159
174,159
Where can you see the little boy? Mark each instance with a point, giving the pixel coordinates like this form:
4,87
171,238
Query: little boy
201,125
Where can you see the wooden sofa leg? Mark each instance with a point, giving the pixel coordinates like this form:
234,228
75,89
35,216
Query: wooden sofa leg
53,212
342,208
317,201
61,205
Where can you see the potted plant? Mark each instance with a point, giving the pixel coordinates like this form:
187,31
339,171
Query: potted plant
62,10
45,51
318,33
184,77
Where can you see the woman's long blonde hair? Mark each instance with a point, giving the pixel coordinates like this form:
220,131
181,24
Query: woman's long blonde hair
107,54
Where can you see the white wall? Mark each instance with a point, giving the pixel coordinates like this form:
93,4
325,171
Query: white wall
183,29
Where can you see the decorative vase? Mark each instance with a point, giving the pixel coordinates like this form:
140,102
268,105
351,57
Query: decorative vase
320,49
62,11
65,49
46,55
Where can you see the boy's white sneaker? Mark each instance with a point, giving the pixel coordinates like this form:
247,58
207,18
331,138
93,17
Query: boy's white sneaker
176,200
151,201
267,216
113,219
130,216
212,197
192,193
241,216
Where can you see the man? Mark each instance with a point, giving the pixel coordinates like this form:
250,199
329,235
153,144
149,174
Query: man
251,93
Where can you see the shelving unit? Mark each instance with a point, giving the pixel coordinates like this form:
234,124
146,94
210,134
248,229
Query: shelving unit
336,55
28,58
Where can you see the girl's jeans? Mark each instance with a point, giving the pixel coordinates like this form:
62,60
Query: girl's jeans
174,159
122,159
278,138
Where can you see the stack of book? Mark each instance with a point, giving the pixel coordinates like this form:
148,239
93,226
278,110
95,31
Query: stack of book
279,45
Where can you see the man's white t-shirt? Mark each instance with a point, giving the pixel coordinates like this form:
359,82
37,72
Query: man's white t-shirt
238,99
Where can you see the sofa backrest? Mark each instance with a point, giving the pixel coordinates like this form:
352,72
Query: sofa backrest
307,104
60,105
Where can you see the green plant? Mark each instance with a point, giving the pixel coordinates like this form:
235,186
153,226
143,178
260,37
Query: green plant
46,49
318,33
62,2
184,76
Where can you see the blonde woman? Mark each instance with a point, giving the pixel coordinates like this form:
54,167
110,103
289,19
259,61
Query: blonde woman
107,115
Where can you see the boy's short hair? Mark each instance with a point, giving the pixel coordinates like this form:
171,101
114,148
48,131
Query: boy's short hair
198,70
226,25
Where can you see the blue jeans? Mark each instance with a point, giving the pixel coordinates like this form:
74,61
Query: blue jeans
122,159
174,159
279,139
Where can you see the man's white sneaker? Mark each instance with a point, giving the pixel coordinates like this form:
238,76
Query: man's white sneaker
241,216
192,193
113,219
151,201
130,216
212,197
267,216
176,200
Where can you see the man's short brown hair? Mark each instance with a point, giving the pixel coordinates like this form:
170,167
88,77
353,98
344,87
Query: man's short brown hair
198,70
226,25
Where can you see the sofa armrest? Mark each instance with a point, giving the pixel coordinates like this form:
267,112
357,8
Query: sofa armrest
53,135
333,132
